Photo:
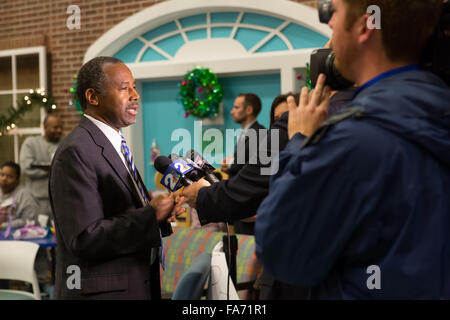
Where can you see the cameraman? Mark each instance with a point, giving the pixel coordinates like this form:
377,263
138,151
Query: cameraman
359,208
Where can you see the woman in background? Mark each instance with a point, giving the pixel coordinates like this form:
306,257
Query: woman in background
15,200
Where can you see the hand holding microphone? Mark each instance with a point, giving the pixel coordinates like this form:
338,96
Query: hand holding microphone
167,206
181,171
190,192
201,162
163,205
174,173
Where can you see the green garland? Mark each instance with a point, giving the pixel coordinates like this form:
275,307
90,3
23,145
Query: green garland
201,93
74,100
308,77
38,97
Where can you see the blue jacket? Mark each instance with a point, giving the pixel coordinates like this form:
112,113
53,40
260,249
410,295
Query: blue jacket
372,191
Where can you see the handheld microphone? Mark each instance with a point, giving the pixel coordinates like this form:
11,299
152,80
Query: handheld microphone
173,172
203,164
196,173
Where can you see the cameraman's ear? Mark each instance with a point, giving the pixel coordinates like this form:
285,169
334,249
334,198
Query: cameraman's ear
365,28
91,97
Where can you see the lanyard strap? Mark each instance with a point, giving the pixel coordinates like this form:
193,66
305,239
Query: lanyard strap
387,74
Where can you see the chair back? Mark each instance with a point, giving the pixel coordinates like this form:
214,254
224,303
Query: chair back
191,284
17,263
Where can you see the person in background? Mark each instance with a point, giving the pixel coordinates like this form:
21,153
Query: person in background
246,108
279,106
17,205
36,155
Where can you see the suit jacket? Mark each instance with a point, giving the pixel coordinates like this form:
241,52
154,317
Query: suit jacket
245,146
101,226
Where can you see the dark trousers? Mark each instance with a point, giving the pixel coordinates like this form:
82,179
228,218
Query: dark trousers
272,289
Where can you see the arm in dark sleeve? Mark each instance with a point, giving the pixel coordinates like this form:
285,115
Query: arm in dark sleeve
311,211
233,199
240,196
86,229
166,228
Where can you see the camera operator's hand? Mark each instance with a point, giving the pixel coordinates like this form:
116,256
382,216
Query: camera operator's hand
312,111
190,193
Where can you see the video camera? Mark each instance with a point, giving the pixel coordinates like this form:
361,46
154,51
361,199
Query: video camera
435,57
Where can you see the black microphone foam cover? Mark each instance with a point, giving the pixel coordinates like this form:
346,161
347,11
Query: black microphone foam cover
162,163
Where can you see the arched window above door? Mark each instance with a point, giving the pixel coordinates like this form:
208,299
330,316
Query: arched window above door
222,33
234,38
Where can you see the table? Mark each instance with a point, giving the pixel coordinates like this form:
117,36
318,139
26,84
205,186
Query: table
47,242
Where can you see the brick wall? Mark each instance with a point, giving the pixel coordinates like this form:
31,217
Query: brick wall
26,23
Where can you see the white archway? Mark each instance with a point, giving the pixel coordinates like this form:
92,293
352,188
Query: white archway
224,63
223,56
157,14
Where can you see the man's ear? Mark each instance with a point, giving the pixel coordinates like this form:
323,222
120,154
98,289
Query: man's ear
365,28
91,97
249,110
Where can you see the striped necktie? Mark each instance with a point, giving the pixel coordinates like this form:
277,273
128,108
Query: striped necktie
133,171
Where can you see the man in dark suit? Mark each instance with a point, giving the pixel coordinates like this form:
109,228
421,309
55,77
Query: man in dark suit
246,108
108,230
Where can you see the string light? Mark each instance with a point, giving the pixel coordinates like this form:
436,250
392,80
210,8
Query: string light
31,100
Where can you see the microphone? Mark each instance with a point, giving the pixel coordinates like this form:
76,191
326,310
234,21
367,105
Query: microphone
174,173
203,164
196,173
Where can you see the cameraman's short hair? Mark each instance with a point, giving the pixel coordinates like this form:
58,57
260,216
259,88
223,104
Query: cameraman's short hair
406,25
91,75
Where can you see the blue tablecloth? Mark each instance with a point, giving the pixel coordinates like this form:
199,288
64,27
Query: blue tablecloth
47,242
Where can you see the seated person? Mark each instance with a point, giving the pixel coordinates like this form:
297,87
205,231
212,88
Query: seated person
15,200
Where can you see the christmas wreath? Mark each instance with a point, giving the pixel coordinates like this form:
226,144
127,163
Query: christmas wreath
201,93
38,97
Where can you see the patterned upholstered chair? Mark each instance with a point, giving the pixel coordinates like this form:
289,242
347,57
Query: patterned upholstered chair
186,244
